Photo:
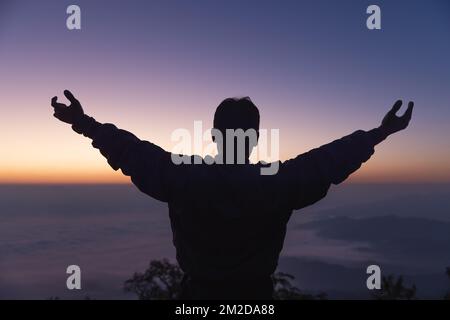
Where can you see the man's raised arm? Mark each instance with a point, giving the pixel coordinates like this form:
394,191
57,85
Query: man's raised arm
146,163
307,178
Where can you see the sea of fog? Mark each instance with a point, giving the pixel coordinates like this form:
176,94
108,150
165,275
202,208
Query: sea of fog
112,231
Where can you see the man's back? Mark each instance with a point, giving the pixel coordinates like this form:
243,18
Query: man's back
227,221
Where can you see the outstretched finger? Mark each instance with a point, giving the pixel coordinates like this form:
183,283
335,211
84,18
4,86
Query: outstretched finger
396,107
408,112
70,96
55,104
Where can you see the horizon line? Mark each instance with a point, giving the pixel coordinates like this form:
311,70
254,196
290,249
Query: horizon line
118,183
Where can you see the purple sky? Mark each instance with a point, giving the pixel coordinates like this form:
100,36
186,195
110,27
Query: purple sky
312,67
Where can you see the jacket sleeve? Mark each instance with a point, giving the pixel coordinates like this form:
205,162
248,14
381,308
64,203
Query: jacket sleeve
307,178
146,163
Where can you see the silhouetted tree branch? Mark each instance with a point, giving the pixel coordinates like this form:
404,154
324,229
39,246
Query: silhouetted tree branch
285,290
447,295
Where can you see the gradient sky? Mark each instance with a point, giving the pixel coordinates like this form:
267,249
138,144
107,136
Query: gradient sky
312,67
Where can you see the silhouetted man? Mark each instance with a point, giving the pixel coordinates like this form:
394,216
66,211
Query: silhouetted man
229,221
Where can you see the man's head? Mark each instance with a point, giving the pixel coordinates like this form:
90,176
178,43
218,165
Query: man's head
235,114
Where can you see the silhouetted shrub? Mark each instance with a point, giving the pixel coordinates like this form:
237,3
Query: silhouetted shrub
162,281
394,289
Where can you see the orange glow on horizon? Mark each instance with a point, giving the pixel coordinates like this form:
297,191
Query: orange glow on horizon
76,176
377,172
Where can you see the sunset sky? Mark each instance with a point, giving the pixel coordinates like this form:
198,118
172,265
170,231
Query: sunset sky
312,67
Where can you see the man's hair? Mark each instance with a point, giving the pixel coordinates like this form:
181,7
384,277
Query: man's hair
236,113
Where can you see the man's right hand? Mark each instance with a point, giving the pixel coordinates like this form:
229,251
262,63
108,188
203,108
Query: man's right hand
392,123
68,114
